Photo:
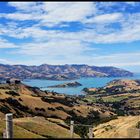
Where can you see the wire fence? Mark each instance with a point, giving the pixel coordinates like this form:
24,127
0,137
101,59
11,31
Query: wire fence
89,132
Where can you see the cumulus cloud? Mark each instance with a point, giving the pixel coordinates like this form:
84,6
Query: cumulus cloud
43,24
52,12
55,47
86,13
6,44
105,18
26,6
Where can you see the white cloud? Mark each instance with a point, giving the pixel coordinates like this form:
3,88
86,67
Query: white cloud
105,18
55,13
129,32
6,44
26,6
50,45
52,13
19,16
76,55
55,47
68,12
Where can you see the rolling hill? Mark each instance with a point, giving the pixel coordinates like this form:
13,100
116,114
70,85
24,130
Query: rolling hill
113,115
59,72
23,100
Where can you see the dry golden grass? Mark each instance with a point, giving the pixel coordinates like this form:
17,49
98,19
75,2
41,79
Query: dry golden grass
123,127
28,99
56,120
19,132
43,127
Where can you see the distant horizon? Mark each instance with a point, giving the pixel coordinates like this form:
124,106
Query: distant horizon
136,72
59,33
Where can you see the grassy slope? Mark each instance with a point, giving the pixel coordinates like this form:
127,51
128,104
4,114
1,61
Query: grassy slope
19,132
43,127
50,129
33,102
37,127
123,127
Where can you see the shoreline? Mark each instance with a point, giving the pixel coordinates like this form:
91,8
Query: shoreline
86,83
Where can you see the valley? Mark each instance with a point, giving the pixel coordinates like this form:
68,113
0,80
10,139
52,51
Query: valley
32,107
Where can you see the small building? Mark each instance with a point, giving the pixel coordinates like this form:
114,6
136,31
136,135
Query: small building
13,81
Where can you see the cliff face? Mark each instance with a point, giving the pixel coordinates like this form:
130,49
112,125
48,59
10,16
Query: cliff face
59,72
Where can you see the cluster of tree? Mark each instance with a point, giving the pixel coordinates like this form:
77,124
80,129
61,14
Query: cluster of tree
13,93
66,101
4,109
39,109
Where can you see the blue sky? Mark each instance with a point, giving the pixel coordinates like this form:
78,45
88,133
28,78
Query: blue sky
93,33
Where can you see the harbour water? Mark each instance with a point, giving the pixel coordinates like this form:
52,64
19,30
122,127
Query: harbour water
86,83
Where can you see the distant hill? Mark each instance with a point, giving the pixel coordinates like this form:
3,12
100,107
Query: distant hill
123,95
59,72
117,87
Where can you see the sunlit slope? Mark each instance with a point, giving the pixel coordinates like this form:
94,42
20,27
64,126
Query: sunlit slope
22,101
123,127
19,132
43,127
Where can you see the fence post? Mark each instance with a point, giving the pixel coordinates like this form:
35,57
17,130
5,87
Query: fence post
90,132
9,125
4,134
71,128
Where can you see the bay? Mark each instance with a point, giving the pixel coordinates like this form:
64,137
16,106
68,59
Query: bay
86,83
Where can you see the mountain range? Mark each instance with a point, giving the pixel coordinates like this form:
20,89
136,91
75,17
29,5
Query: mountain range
59,72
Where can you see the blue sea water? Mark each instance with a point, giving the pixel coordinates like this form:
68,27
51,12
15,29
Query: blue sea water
86,83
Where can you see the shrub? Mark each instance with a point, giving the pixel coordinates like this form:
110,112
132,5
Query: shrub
16,104
138,125
20,99
85,90
60,108
106,128
78,111
54,116
13,93
39,109
50,108
67,101
4,109
85,100
81,130
42,109
120,112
